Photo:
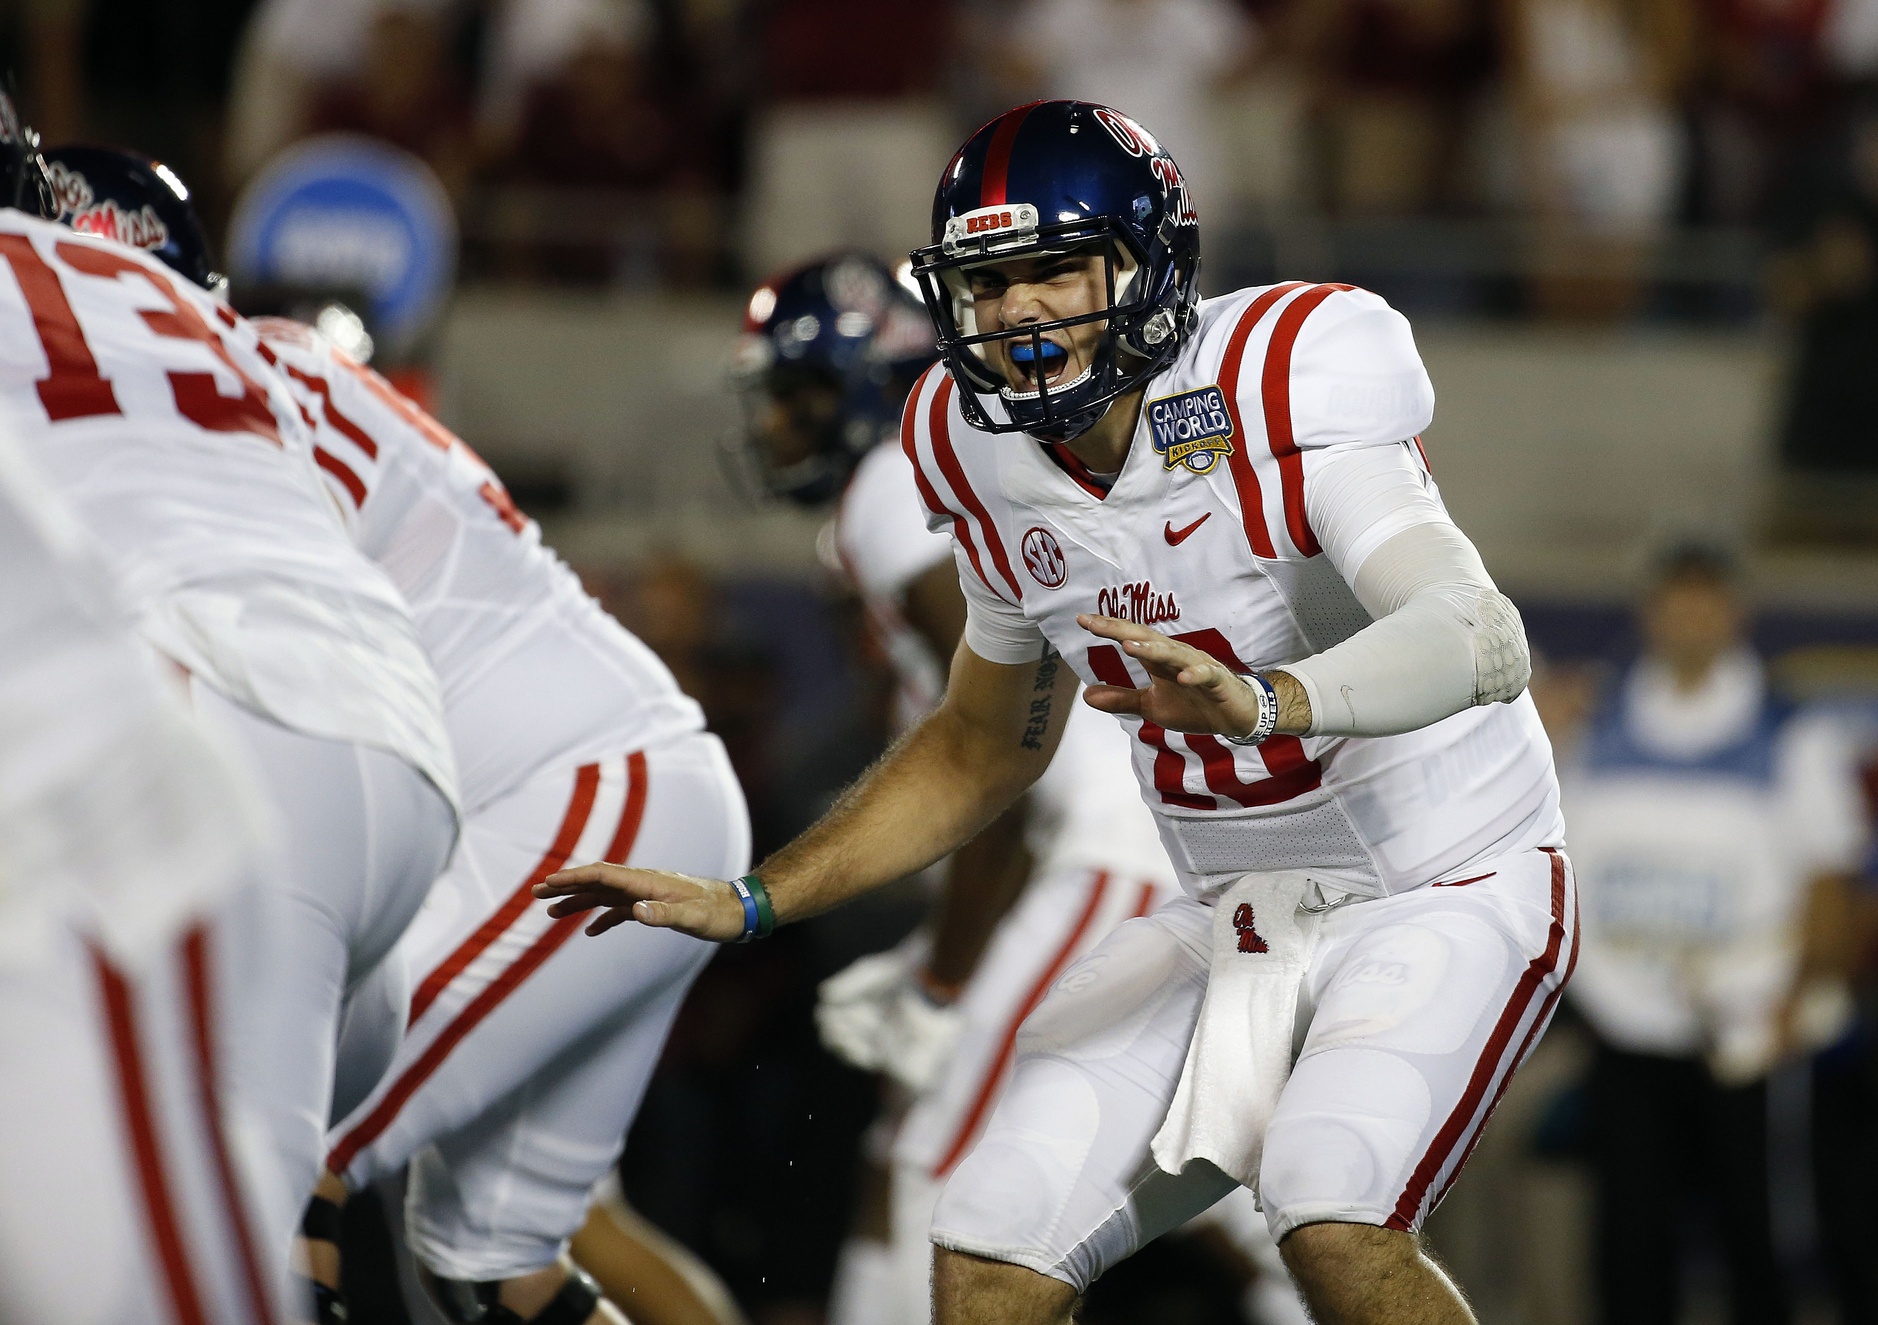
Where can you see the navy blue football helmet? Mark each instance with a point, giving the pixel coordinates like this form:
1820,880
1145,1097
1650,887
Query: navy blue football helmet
827,356
1050,178
24,185
123,195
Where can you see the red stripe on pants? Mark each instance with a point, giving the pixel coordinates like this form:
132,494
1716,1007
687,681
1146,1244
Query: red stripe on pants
988,1089
140,1129
386,1112
234,1204
573,824
1462,1120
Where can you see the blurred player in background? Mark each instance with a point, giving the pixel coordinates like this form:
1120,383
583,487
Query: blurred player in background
828,353
124,838
1367,828
508,1098
155,413
1717,830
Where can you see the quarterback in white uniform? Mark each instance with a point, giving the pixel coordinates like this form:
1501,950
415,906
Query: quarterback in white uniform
1090,854
1220,520
126,835
156,416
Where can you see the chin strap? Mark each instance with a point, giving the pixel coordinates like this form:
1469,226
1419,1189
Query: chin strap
467,1302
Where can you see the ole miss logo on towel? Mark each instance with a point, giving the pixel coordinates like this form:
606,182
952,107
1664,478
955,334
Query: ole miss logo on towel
1249,940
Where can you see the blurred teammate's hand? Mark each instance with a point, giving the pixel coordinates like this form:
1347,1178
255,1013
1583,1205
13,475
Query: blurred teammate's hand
703,908
875,1015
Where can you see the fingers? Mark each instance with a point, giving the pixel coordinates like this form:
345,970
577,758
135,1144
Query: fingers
704,908
1113,699
1115,628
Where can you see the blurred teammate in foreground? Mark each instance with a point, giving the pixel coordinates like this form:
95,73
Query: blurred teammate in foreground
507,1096
126,837
1215,513
154,413
828,354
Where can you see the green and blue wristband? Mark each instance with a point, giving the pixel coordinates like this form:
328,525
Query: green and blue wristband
759,917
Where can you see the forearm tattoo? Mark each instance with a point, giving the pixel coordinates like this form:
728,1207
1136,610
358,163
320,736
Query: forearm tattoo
1044,690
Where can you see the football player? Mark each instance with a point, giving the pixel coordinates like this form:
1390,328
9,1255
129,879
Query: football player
127,836
828,354
154,413
1215,514
508,1097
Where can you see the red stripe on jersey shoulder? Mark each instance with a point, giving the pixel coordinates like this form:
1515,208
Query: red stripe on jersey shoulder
340,470
1276,389
909,441
1245,479
949,465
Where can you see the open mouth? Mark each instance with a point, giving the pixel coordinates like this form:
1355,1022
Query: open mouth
1038,369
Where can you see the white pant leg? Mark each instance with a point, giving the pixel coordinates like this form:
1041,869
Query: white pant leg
1062,1181
530,1044
1421,1007
363,835
129,1188
371,1027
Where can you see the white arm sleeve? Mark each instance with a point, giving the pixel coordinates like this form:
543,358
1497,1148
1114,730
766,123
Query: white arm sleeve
994,629
1442,639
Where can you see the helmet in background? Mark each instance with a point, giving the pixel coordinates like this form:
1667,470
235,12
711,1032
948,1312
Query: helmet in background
126,196
827,356
1060,177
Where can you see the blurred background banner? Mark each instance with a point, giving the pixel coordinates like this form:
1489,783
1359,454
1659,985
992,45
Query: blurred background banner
345,213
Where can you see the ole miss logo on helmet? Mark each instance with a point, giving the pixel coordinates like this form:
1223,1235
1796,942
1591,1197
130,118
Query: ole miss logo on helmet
80,209
1043,557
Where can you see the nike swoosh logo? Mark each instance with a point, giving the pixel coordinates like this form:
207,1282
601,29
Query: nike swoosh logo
1175,537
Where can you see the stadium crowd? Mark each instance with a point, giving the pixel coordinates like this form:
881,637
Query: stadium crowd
1698,1133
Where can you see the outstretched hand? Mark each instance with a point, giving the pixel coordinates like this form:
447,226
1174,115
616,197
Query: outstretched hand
703,908
1187,691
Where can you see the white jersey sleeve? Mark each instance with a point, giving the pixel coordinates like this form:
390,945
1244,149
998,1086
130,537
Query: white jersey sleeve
535,673
113,806
155,414
1356,376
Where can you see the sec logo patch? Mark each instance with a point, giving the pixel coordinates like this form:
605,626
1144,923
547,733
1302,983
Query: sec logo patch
1191,428
1043,557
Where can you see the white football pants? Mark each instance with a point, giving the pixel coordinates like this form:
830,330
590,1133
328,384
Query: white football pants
1414,1013
126,1161
362,836
529,1045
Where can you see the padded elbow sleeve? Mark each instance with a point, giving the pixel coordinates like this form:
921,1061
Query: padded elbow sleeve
1444,639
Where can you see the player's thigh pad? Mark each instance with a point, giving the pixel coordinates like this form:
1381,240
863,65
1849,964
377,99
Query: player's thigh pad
1420,1008
1062,1181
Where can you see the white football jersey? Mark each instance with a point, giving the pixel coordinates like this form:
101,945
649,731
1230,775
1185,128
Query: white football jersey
1207,535
535,673
151,409
1086,810
885,546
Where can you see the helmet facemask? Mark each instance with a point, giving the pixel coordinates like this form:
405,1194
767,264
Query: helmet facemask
1136,341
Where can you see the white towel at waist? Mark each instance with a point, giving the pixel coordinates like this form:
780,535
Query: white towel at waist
1240,1056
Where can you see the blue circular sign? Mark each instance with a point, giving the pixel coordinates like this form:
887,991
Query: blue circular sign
344,211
